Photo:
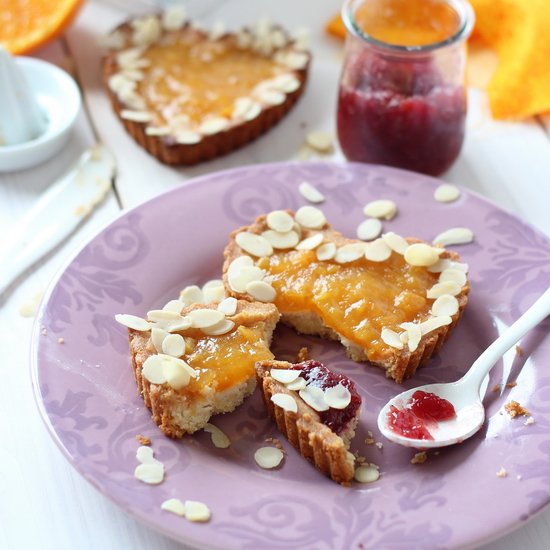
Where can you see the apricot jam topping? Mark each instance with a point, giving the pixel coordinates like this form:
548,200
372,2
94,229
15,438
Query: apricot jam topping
357,299
192,76
225,361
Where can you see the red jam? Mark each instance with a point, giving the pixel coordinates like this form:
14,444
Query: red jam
401,114
316,374
422,411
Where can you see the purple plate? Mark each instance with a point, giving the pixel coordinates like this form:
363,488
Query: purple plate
88,399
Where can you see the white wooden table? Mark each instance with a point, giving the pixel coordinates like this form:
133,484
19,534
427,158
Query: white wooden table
44,503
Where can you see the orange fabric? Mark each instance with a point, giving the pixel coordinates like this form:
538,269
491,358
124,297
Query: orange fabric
511,41
27,24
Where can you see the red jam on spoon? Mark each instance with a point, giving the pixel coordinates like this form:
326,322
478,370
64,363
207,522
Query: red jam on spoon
423,411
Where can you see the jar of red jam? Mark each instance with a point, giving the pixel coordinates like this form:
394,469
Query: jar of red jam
402,97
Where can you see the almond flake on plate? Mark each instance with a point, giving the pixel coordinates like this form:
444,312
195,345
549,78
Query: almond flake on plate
196,511
150,473
133,321
446,193
218,437
456,235
145,455
268,457
369,229
366,473
285,401
310,217
174,506
320,141
310,193
385,209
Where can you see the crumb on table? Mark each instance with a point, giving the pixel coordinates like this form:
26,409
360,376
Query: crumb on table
143,440
303,355
275,442
495,388
502,473
512,384
419,458
519,351
513,408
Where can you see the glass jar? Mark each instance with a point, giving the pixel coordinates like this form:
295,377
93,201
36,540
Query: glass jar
402,97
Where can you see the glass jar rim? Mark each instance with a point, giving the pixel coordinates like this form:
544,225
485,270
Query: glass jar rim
462,8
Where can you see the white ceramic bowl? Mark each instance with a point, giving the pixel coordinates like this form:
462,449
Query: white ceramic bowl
59,97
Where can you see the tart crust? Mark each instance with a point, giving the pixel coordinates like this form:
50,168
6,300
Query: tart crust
165,147
315,441
398,364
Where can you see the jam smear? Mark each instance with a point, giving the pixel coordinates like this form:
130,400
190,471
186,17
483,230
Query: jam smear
316,374
421,412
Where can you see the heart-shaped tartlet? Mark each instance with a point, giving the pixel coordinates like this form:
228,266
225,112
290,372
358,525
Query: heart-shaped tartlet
187,95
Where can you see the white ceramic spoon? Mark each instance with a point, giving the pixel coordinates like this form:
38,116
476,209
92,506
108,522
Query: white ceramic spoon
464,393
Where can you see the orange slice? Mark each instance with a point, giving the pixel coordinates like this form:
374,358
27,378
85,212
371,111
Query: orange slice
27,24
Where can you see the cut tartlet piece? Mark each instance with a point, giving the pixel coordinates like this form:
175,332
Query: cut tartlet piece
392,301
188,95
316,409
199,361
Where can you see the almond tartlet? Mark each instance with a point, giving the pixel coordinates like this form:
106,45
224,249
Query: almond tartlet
193,361
391,301
316,409
188,95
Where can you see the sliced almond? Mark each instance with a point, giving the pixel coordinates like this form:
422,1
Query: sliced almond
385,209
414,335
254,244
174,17
349,253
240,261
238,279
455,275
191,295
314,397
261,291
440,289
272,97
292,60
146,455
396,242
369,229
310,217
297,385
153,369
157,337
218,437
285,376
134,322
391,338
136,116
213,125
174,305
367,473
152,474
281,241
183,323
444,306
337,397
196,511
279,220
163,316
268,457
187,137
433,323
228,306
285,401
456,235
326,252
311,243
377,251
205,318
157,131
446,193
421,255
174,506
173,345
310,193
320,141
223,327
213,293
176,373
